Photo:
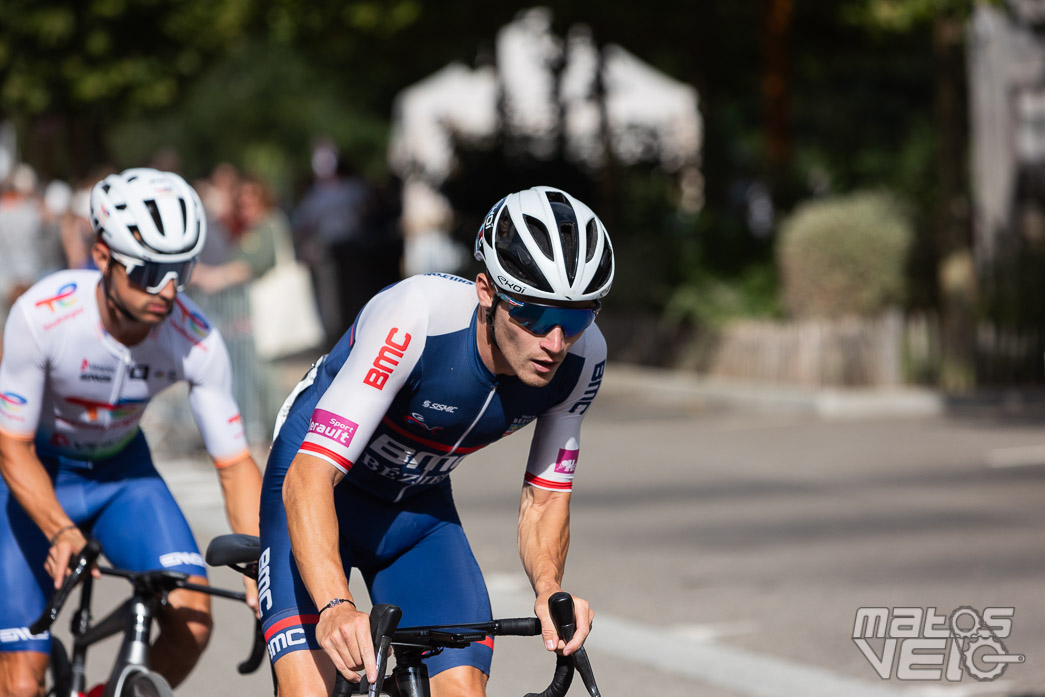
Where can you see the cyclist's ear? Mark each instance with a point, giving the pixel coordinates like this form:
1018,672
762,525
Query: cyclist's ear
101,256
485,289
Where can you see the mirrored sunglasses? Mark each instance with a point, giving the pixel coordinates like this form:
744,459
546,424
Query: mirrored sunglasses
152,276
541,319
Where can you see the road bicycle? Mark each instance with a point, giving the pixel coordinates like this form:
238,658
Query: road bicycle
411,645
131,675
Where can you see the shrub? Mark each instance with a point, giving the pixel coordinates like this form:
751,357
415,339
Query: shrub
844,255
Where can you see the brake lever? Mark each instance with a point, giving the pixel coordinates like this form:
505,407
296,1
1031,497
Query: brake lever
384,619
257,651
561,606
583,665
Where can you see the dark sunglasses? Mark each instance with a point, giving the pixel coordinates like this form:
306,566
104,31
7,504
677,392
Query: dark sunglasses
541,319
152,276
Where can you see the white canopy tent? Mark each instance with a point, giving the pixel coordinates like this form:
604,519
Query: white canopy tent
649,117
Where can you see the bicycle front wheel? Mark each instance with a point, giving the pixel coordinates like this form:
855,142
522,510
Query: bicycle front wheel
147,684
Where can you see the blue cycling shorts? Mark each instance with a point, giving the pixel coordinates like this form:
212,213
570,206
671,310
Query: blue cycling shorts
412,553
122,501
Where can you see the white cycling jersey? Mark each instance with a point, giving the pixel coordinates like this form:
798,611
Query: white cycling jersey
66,383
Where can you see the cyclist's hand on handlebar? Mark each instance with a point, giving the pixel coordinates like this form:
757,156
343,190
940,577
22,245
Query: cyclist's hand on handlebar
582,617
344,633
67,543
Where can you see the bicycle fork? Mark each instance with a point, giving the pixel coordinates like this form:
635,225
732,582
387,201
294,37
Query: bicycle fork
133,618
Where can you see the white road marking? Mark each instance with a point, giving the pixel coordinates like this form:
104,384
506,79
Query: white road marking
1021,456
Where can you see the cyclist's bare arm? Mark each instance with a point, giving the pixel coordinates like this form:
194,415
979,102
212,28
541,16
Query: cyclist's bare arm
343,631
544,540
28,480
241,487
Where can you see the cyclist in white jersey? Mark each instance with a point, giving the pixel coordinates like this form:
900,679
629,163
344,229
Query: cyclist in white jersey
84,352
434,367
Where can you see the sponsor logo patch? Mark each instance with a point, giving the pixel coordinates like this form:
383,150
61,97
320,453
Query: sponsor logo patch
63,299
332,427
11,403
387,359
181,559
9,635
566,463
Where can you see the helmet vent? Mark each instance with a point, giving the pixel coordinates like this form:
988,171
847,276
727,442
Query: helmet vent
602,274
121,206
566,221
184,214
154,211
513,256
540,235
556,197
591,237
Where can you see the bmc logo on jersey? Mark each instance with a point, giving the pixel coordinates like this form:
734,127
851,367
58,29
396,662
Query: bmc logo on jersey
387,359
282,641
264,580
586,399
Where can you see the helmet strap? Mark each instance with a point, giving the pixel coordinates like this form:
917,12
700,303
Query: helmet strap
121,310
490,312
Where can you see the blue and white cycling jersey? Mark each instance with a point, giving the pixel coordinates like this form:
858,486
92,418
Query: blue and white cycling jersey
404,396
396,405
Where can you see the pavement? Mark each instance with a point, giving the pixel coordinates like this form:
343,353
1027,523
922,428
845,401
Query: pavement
727,532
695,391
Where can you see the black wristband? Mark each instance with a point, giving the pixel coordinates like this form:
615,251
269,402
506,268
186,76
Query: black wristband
335,601
60,532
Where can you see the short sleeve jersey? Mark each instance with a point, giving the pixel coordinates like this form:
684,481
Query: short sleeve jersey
405,395
66,383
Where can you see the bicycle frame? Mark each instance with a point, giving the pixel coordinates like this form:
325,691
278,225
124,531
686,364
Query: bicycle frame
133,618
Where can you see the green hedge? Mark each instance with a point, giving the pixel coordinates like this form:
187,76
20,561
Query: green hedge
844,255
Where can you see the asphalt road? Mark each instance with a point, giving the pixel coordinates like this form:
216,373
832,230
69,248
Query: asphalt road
727,552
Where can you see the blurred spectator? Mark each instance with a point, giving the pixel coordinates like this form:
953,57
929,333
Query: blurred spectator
221,288
74,224
329,232
26,251
218,194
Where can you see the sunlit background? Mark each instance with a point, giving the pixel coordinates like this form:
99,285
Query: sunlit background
844,193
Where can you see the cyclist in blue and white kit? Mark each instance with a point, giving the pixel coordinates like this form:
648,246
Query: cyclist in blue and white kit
84,352
435,367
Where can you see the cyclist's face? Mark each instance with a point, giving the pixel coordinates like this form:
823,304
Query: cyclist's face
533,358
146,307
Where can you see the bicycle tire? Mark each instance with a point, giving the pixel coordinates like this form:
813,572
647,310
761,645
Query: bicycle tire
146,684
59,670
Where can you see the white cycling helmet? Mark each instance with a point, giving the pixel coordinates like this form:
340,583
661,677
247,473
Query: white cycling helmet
544,243
149,215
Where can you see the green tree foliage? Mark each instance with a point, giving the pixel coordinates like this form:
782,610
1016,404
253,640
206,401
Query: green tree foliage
132,55
844,255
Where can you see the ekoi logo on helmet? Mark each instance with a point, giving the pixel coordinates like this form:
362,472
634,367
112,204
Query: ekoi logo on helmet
63,299
486,225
